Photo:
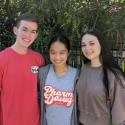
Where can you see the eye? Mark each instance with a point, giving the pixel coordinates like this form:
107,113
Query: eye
52,52
34,32
62,53
24,29
91,44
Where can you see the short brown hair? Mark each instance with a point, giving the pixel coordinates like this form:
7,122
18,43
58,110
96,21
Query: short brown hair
26,17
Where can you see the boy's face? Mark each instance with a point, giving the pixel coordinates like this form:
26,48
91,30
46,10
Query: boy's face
25,33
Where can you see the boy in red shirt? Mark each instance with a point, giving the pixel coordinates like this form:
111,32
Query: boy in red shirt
18,76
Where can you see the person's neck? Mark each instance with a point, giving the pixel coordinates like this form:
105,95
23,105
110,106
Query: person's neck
96,63
61,70
18,49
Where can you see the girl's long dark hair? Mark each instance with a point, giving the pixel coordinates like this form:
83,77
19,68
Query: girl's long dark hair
106,58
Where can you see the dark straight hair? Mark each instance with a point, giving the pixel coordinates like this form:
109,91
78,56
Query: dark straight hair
60,38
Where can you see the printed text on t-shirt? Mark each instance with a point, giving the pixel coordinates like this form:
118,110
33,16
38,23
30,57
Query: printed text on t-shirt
54,96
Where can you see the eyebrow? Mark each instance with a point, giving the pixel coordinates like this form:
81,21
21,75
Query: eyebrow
90,41
27,28
87,41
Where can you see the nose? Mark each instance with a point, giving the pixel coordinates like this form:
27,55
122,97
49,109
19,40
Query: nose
28,34
57,56
87,47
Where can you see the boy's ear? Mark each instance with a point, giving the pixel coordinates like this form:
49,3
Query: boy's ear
15,30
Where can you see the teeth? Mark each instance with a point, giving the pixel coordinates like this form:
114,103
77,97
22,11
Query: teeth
26,40
57,62
89,53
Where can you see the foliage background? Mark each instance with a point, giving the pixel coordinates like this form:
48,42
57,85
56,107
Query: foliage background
71,17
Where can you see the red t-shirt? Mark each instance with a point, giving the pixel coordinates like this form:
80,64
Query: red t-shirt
18,86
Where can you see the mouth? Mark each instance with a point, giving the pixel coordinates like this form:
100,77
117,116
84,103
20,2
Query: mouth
89,54
57,62
27,40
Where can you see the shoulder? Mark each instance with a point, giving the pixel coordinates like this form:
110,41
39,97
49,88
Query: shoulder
84,67
5,52
4,55
44,69
114,74
37,56
32,52
73,69
116,78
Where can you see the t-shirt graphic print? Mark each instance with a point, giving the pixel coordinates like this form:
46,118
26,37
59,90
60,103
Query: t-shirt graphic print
55,96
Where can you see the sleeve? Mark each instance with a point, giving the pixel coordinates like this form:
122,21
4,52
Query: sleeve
42,61
117,97
1,119
1,76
